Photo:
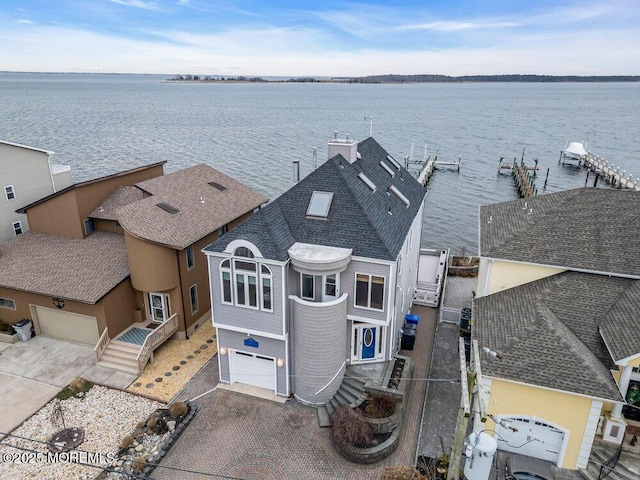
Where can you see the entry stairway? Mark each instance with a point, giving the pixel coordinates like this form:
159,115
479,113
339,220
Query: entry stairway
120,356
627,468
350,393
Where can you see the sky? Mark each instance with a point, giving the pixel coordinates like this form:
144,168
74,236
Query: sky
321,38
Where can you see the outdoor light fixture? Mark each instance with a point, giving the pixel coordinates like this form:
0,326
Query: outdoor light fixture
223,350
58,302
280,362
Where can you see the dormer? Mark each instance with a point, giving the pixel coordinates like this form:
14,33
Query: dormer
347,147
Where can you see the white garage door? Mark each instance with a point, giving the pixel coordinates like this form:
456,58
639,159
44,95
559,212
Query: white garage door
253,370
532,437
67,326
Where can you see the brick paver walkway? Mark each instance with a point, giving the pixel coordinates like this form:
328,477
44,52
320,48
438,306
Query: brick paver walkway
236,436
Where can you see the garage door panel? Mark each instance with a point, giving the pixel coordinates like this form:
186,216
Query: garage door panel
67,325
253,369
530,437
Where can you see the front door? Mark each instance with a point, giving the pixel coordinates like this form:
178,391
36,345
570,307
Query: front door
158,307
369,343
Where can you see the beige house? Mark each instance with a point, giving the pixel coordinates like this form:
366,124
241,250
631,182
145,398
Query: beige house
26,174
111,260
557,302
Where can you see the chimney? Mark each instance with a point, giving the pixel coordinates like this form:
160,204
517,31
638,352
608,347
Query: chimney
347,147
296,171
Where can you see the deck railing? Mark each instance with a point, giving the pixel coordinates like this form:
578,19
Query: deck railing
607,467
156,338
100,347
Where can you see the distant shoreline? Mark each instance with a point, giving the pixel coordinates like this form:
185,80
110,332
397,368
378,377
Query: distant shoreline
404,79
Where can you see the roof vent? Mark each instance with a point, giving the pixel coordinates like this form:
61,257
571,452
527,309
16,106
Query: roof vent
220,187
168,208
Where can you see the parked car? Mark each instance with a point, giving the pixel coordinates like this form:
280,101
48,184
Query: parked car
521,467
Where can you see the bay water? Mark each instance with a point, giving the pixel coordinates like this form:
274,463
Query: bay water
101,124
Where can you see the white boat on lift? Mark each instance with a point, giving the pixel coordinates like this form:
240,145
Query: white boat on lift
574,151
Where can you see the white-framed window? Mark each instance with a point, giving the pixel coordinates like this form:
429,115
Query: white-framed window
191,259
369,291
9,192
17,228
331,285
7,303
193,294
307,286
89,226
245,282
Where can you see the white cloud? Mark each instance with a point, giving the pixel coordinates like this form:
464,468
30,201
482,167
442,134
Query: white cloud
451,26
138,4
25,21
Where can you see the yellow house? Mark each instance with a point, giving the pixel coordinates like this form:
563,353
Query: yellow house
557,301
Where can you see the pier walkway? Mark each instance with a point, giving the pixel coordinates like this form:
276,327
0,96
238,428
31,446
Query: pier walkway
609,173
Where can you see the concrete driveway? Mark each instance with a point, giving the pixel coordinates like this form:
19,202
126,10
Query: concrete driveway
33,372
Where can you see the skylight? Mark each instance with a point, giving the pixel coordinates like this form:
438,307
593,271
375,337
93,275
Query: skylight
167,207
367,182
387,168
393,161
319,204
399,194
220,187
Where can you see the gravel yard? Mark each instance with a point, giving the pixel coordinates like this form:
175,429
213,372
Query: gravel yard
106,416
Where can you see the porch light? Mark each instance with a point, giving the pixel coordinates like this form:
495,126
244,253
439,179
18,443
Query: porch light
58,302
223,350
280,362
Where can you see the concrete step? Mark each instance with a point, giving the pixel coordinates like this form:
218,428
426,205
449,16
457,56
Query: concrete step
334,403
356,392
341,399
117,366
323,416
349,396
353,382
123,355
620,472
124,346
330,408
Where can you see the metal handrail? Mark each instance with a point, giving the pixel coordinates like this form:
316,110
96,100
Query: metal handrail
101,346
607,467
334,377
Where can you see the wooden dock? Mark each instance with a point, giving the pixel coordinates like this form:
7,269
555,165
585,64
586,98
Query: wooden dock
430,166
523,176
609,173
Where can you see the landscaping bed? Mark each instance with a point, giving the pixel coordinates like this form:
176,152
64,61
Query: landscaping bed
104,414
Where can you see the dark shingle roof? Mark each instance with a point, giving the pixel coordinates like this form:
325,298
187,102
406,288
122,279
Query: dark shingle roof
586,228
202,208
547,331
621,327
358,218
84,270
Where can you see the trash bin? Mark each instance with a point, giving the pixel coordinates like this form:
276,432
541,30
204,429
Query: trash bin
410,318
23,329
408,340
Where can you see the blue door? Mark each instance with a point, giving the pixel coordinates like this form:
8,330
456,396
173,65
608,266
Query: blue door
368,343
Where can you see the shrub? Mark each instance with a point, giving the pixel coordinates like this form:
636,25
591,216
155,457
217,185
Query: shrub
402,473
350,429
6,327
380,405
152,423
138,464
140,424
126,442
178,409
77,384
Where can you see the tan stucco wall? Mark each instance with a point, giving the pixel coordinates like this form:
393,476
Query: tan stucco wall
570,412
108,226
119,307
501,275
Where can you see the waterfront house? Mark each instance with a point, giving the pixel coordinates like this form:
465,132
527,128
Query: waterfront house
121,252
26,174
557,314
321,277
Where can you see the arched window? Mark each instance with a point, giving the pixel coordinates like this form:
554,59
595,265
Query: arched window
243,252
266,288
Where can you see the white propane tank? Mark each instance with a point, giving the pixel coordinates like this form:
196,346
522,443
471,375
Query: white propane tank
480,449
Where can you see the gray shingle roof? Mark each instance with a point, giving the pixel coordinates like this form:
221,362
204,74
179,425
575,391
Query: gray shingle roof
120,197
547,331
202,207
621,327
358,218
586,228
52,265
